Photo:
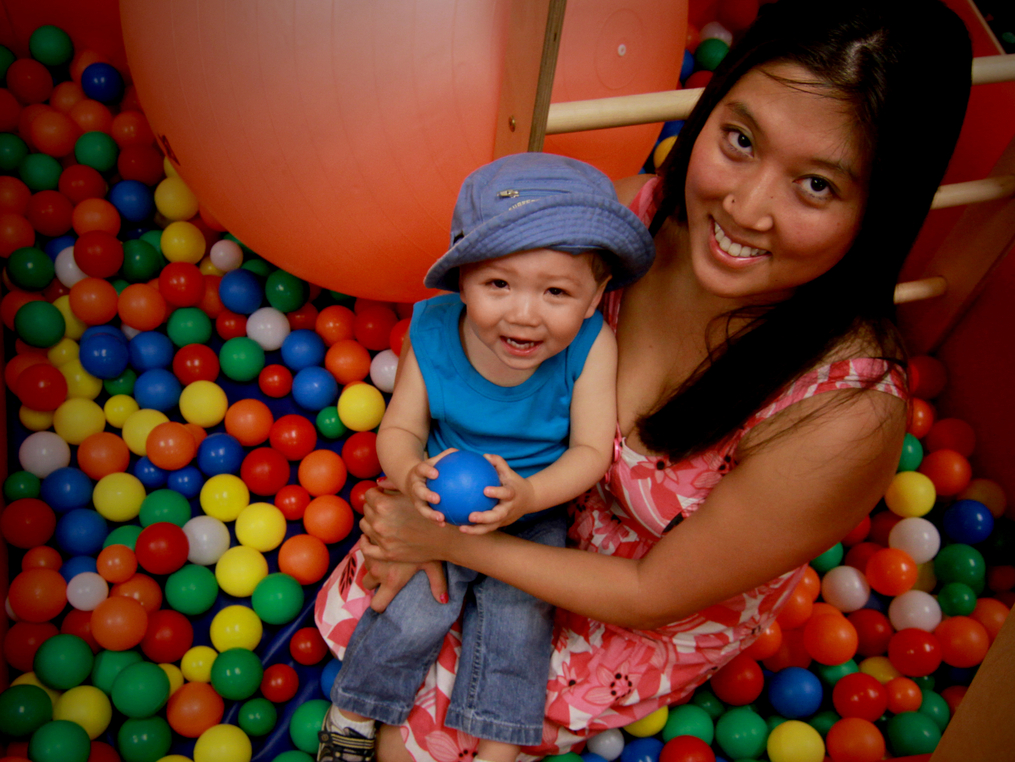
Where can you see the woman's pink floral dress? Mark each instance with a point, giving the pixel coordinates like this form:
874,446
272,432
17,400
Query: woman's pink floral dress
604,676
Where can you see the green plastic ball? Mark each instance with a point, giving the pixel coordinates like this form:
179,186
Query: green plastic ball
957,599
710,53
258,267
925,683
953,563
305,724
125,535
141,261
63,662
236,674
293,755
341,298
241,359
189,325
7,57
122,384
912,733
164,505
912,454
21,484
153,238
191,590
39,324
823,721
140,690
257,717
689,720
829,559
144,740
40,172
119,284
30,268
50,45
831,674
24,709
60,741
708,701
109,664
329,425
935,707
285,292
773,721
742,733
13,151
97,150
277,599
246,249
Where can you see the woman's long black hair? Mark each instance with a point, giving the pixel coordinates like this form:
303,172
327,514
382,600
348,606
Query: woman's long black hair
904,67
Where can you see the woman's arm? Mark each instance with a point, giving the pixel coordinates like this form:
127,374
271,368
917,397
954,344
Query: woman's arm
784,504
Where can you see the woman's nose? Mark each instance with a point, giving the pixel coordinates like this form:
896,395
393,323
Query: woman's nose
752,204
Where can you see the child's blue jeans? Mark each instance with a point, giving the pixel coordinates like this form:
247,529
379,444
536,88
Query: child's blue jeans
500,687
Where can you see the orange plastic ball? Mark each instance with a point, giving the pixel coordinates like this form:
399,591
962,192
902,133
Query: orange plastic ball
854,739
91,116
347,361
950,434
16,232
131,128
54,133
953,696
304,558
81,61
142,307
921,417
927,376
95,214
796,610
103,453
116,563
14,196
988,492
119,623
964,641
949,471
891,571
194,708
792,652
249,421
170,446
991,613
37,595
141,588
322,472
767,643
810,582
329,518
42,557
903,695
830,639
93,301
65,95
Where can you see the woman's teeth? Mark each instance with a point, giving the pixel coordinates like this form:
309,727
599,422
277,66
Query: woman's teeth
734,249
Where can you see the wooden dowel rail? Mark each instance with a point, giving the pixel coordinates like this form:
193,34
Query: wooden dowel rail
974,191
915,290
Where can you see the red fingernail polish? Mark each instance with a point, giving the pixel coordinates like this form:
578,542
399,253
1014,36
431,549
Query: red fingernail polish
444,598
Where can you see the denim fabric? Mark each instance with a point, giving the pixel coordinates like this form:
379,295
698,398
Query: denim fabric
500,689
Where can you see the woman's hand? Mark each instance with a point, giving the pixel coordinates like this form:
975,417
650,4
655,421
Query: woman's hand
398,532
389,577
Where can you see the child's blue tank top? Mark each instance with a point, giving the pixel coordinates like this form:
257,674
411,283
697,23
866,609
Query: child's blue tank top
528,425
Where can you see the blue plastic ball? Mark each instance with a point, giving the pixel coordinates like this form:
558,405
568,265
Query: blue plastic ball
328,676
220,454
642,750
81,532
150,475
66,489
314,388
687,65
76,565
133,200
102,82
132,232
103,355
968,522
105,330
302,348
795,693
461,478
187,481
150,349
58,244
670,129
157,389
241,291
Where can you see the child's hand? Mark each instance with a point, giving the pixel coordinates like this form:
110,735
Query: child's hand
516,495
418,491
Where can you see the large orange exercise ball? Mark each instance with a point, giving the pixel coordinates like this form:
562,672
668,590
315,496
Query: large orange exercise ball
332,136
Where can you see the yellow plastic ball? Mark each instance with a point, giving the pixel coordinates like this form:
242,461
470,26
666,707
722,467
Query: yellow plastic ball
138,426
175,200
63,352
119,408
77,419
910,494
118,496
224,496
207,268
35,420
80,383
260,526
239,570
75,327
86,705
168,168
663,150
926,580
195,665
174,758
203,403
880,668
236,627
175,676
795,741
223,743
361,407
650,724
29,678
183,242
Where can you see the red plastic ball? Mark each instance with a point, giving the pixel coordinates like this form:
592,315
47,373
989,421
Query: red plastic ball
914,652
949,471
131,128
294,436
265,471
14,194
927,376
858,533
292,500
42,557
964,641
10,110
854,739
280,683
140,162
37,595
27,522
229,325
41,386
103,752
23,640
98,253
859,695
792,652
372,326
921,417
830,639
398,333
195,362
882,524
181,284
360,455
686,749
953,696
738,683
737,14
80,182
15,233
307,646
29,80
275,381
79,623
357,495
162,547
873,631
303,318
50,211
891,571
949,434
168,637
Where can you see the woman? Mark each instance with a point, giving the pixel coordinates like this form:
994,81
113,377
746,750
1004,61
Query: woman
760,388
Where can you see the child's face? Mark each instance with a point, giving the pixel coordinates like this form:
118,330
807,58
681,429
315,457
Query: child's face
524,308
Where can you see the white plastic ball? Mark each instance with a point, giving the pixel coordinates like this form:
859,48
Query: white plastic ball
914,608
43,452
86,590
268,327
382,370
916,536
130,331
845,588
607,744
715,30
67,270
226,255
209,539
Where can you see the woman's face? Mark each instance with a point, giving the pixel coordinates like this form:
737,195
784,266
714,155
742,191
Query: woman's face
776,187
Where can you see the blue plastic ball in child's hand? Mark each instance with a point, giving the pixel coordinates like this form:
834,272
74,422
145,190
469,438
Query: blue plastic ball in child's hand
461,478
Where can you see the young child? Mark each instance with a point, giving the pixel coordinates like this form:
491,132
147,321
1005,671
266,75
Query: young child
517,365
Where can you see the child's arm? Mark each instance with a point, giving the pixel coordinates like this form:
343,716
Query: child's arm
590,451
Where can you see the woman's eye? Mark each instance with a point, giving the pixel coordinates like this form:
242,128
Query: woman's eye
738,141
818,187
